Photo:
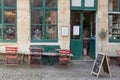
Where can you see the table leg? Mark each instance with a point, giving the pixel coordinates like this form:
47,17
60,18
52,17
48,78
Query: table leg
22,59
28,58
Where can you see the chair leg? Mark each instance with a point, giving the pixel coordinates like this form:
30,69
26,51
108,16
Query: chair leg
118,61
6,61
67,64
13,61
32,63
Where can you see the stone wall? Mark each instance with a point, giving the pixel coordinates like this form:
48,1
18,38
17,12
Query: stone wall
23,26
102,22
64,20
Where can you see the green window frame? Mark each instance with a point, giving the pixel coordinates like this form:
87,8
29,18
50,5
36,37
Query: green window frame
83,5
8,19
46,20
114,20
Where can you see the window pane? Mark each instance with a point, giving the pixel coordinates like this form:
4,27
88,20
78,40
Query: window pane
50,17
51,3
9,32
114,26
75,24
76,3
89,3
113,5
10,17
37,3
36,32
37,17
10,2
0,32
0,16
51,32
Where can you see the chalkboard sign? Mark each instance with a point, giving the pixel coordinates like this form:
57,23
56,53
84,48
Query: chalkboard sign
98,63
101,61
105,66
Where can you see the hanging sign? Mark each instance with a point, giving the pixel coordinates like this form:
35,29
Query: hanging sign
76,30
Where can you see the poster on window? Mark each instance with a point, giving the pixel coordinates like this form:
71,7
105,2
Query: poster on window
64,31
76,30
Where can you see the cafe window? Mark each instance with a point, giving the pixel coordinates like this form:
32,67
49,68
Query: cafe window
9,2
8,20
114,20
43,20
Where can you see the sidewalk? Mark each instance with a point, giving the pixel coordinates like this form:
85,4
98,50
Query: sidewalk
76,71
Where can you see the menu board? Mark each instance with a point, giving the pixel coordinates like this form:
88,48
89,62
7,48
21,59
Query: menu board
65,31
101,61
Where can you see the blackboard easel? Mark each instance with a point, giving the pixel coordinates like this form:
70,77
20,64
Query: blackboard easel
101,61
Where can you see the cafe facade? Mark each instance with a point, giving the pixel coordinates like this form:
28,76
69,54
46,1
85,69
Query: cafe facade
61,24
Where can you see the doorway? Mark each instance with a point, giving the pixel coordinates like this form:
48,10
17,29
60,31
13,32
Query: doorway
82,42
88,35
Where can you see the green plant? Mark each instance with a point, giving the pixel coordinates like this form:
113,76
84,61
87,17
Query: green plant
102,35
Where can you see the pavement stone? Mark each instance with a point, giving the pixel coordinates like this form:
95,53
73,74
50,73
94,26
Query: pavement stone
76,71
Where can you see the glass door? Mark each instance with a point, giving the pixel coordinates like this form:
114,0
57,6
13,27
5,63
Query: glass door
82,39
76,34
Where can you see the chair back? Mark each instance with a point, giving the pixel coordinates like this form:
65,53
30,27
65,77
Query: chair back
11,49
65,52
39,50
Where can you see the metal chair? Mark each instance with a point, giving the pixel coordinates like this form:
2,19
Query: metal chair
11,56
35,56
64,57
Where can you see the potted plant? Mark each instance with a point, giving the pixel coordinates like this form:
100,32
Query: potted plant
102,35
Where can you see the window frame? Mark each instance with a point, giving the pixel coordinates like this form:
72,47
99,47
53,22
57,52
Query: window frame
44,8
111,40
3,9
83,7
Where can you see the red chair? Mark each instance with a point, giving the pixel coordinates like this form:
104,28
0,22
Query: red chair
64,57
36,56
11,56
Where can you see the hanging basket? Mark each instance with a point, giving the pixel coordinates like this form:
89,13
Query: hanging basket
103,33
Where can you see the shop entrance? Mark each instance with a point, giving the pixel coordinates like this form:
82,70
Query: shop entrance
82,43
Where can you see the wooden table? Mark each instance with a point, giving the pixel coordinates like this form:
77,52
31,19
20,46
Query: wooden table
113,55
49,54
23,54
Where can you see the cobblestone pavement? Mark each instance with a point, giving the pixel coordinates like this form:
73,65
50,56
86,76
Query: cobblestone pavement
76,71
